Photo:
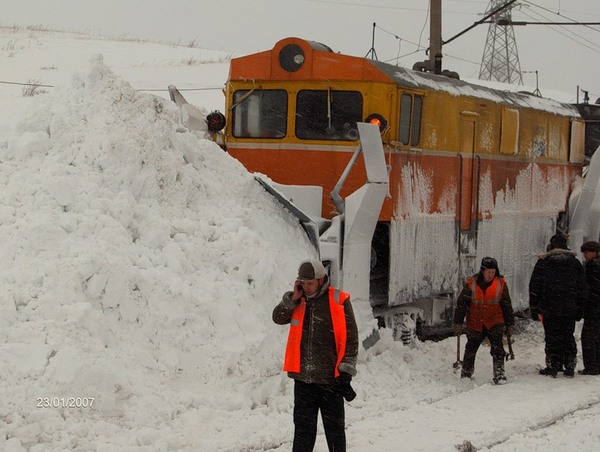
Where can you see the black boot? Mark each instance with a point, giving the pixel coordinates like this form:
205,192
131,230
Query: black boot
466,371
549,371
499,376
588,372
570,364
465,374
554,364
468,365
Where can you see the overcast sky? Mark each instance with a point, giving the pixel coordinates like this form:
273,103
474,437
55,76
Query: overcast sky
564,56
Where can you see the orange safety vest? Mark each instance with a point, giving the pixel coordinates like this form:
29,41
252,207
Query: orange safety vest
337,298
485,307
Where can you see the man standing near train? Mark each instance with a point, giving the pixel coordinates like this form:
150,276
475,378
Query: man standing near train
590,333
320,356
557,297
486,303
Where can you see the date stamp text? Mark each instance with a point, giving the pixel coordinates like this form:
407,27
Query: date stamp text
65,402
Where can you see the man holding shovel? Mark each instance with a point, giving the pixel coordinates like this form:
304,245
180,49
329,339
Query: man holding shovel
486,303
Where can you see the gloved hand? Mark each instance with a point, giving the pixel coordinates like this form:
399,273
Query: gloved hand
579,314
509,330
535,315
344,378
345,387
458,328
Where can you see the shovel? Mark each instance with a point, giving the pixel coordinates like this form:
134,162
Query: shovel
457,365
510,355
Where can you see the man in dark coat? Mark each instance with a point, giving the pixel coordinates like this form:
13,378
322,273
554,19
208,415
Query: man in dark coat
486,303
590,334
321,355
557,297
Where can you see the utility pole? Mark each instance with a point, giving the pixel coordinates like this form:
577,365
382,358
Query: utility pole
435,37
500,61
434,62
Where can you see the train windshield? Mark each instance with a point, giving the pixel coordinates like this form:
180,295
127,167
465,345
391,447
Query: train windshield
260,113
328,114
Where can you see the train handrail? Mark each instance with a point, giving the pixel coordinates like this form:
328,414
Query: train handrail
335,197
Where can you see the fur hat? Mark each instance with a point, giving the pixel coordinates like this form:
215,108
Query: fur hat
311,269
590,246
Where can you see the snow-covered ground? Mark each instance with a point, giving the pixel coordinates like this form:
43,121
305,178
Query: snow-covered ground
139,265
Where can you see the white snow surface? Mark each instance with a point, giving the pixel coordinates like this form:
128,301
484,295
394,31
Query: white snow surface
139,267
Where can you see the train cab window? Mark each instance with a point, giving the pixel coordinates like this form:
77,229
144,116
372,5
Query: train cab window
409,128
328,114
259,113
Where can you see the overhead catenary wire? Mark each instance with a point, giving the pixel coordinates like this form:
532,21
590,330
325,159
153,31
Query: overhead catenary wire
563,30
208,88
562,15
41,85
26,84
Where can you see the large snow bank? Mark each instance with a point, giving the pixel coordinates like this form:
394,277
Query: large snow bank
129,270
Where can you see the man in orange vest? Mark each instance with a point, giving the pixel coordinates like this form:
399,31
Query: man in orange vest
320,356
486,303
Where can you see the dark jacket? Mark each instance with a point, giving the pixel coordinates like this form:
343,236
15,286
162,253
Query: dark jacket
466,296
592,276
318,355
557,288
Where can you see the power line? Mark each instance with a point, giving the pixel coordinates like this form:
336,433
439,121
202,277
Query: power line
26,84
568,33
553,13
207,88
554,23
368,5
418,45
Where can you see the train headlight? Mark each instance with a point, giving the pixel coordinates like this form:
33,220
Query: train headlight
378,120
291,58
215,121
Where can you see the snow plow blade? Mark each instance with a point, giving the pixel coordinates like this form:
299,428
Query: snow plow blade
344,241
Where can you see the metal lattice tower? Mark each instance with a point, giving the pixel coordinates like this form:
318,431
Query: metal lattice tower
500,61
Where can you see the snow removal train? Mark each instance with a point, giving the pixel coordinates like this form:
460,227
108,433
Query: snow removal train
403,179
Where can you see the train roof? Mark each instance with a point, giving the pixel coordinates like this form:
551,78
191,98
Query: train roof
425,80
315,61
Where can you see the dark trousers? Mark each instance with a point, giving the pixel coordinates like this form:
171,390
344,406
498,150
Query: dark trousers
590,344
308,400
560,348
474,340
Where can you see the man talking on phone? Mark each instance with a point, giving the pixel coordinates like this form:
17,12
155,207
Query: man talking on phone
320,355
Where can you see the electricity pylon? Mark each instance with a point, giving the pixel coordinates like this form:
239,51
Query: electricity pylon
500,61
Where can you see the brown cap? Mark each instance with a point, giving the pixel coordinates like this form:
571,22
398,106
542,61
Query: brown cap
311,269
590,246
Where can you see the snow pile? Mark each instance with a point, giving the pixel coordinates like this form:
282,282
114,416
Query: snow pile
129,265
